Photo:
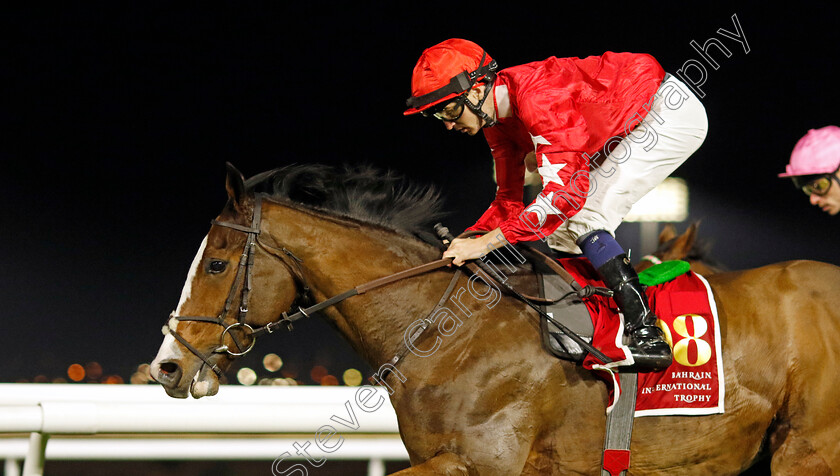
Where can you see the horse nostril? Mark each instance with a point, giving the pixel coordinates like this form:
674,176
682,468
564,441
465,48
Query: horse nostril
168,367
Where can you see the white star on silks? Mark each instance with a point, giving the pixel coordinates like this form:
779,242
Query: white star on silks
539,140
549,171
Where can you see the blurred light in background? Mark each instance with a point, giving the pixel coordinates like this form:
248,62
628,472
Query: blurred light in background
76,372
141,376
352,378
93,371
667,202
272,362
317,373
329,380
246,376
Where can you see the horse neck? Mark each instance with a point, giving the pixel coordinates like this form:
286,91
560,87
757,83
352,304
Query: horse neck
340,254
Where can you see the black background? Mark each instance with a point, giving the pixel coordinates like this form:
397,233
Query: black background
117,123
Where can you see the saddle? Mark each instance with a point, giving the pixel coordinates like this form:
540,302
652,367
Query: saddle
571,312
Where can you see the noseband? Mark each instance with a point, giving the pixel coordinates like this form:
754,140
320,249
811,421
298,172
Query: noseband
244,275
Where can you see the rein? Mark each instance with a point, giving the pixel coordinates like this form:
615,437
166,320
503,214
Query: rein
244,276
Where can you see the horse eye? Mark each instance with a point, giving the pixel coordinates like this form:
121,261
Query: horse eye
216,266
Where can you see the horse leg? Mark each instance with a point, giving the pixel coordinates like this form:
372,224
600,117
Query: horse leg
445,464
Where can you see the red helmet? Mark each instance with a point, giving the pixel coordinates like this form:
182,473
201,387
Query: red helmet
447,70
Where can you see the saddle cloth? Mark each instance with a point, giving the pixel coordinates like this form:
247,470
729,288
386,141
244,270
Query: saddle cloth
685,306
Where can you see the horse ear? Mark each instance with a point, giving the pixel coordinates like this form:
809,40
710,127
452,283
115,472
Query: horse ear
668,233
235,184
691,233
685,242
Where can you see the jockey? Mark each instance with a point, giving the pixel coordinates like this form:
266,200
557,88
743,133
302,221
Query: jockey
814,166
601,131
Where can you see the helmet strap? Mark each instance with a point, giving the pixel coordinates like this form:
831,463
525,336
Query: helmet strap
476,108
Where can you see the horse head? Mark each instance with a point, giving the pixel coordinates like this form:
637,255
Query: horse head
683,247
215,317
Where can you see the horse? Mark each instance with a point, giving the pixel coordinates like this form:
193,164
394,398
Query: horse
685,247
489,400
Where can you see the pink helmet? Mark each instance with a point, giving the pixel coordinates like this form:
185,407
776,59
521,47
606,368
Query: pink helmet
816,153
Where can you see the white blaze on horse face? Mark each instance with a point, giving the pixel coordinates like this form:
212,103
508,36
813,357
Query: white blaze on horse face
187,291
170,350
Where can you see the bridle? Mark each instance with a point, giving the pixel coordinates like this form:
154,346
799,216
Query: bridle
244,275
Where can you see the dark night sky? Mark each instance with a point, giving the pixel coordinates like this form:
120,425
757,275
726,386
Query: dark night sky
117,124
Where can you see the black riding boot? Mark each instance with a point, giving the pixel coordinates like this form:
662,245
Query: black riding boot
645,341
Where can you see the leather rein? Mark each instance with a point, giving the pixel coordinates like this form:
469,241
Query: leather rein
244,278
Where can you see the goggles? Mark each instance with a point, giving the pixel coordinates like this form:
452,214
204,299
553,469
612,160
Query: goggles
815,184
447,110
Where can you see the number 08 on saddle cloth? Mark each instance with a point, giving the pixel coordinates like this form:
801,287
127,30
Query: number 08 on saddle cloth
685,306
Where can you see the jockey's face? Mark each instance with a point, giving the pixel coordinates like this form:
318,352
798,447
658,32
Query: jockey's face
469,122
830,201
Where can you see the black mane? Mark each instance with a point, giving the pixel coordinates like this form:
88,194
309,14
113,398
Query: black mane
363,193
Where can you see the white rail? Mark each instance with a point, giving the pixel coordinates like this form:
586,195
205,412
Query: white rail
338,423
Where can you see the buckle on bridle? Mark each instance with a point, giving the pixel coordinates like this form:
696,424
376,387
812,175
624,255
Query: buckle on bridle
225,349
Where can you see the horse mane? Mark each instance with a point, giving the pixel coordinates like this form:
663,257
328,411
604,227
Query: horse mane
359,192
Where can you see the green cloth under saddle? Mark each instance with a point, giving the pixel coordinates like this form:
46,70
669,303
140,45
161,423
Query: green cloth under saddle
663,272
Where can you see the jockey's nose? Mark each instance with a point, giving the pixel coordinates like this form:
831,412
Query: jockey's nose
815,199
449,125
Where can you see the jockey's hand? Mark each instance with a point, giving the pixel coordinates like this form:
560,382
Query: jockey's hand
531,162
464,249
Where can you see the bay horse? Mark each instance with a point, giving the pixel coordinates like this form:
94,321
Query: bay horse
687,247
490,400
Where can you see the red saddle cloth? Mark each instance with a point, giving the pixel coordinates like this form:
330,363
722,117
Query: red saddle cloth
685,306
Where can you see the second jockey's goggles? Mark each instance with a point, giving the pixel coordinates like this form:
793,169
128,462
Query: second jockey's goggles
815,184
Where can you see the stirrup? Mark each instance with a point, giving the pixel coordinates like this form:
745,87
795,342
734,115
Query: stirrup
650,351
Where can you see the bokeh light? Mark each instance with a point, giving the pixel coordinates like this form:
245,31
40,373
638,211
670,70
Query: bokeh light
329,380
93,370
246,376
317,373
76,372
113,380
352,377
272,362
